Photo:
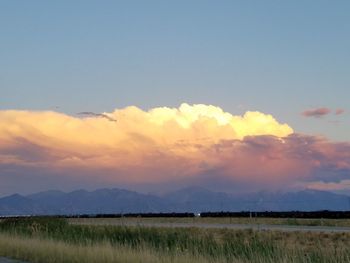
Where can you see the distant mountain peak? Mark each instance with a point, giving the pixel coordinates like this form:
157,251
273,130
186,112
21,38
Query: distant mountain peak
192,189
189,199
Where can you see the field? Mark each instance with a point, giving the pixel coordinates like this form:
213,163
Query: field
49,240
215,220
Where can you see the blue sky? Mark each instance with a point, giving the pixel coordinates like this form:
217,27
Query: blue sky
276,57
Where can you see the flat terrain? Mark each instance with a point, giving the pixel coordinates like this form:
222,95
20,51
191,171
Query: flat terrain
52,240
256,223
148,223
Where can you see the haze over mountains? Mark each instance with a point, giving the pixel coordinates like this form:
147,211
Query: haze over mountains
191,199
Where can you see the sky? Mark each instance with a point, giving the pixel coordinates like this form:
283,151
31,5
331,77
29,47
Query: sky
153,95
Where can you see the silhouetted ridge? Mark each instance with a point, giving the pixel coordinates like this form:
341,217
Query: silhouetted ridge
187,200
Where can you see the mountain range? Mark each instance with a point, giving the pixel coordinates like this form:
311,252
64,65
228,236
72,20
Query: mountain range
191,199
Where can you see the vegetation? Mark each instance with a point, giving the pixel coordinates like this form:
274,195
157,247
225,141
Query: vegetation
55,240
51,251
216,220
243,214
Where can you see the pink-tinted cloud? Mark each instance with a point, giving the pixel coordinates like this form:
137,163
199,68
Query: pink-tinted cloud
190,145
316,113
339,111
330,186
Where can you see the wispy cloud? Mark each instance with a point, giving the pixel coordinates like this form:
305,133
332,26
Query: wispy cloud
93,114
339,111
316,113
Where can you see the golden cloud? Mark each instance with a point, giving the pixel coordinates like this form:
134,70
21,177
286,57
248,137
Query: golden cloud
167,144
135,129
172,141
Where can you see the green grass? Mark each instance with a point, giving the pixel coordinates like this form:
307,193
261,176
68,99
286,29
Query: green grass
170,244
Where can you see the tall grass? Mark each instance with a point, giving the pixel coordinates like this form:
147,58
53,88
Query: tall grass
214,245
240,244
50,251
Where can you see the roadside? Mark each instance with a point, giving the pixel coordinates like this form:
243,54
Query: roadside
8,260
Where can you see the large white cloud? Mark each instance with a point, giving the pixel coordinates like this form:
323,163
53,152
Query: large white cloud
163,145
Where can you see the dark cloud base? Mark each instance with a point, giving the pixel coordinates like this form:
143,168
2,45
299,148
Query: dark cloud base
254,163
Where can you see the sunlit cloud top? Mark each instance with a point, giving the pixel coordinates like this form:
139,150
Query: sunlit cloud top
193,143
161,125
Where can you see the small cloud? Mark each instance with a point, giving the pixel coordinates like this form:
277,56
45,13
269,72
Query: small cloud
93,114
316,113
339,111
336,122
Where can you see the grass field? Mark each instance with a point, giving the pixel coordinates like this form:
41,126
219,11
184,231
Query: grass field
216,220
55,240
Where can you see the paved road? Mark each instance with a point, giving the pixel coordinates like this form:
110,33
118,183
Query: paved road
286,228
8,260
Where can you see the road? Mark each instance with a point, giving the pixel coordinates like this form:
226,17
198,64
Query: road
8,260
285,228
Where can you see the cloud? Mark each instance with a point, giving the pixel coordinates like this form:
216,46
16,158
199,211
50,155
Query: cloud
197,144
283,162
316,113
339,111
321,112
93,114
330,186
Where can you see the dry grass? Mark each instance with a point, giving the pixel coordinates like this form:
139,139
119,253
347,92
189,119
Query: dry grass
215,220
38,250
54,240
